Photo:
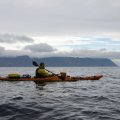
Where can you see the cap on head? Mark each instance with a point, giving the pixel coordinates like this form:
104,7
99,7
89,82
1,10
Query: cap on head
42,65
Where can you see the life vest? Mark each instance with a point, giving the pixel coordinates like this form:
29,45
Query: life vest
41,72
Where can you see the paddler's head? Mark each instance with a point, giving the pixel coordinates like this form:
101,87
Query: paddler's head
42,65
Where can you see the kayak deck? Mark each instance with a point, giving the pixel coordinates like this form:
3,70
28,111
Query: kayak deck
53,79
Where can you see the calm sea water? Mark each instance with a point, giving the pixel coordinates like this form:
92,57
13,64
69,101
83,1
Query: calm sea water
81,100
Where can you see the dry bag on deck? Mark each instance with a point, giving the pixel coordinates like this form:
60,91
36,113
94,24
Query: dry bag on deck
14,75
26,76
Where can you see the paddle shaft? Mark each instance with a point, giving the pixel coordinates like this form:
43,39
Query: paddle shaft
50,72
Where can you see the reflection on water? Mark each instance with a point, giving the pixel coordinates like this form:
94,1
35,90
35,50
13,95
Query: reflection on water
40,85
81,100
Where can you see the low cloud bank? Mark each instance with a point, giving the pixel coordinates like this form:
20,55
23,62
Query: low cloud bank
42,47
48,51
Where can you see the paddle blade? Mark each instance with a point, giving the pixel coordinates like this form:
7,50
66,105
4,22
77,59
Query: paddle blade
35,63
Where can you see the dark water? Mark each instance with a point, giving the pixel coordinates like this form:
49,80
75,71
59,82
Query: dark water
81,100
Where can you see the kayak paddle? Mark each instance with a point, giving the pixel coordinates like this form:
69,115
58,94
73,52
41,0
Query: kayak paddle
35,63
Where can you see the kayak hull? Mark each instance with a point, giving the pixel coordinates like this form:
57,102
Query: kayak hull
53,79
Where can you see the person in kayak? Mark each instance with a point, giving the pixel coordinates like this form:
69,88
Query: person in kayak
41,72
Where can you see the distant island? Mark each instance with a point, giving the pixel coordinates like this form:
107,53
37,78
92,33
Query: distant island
26,61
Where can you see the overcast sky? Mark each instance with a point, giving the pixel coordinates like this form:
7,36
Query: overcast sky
44,28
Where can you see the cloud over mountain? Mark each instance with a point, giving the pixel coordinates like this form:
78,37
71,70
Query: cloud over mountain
41,47
10,38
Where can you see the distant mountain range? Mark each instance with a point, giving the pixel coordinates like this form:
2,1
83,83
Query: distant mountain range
25,61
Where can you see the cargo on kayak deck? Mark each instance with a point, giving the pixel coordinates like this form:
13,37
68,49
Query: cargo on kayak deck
14,75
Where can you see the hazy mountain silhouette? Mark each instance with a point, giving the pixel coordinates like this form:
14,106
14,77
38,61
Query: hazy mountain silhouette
25,61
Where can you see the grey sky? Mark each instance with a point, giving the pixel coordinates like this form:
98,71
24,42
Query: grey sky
82,28
56,17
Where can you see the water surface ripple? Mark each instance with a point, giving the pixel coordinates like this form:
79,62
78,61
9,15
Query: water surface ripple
81,100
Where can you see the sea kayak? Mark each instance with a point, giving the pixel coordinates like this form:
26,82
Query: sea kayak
53,79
